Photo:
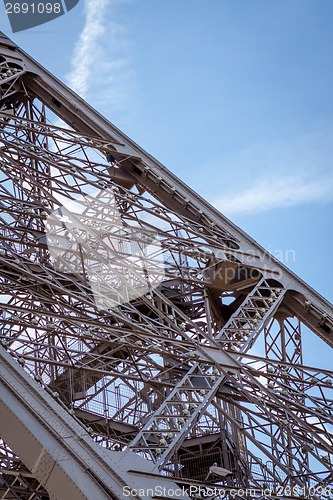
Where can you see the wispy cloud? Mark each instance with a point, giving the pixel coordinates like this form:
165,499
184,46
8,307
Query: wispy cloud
278,192
273,175
99,63
85,49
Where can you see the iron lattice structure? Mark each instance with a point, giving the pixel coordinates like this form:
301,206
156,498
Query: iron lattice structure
204,368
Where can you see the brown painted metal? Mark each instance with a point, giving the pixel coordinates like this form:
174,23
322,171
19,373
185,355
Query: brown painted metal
269,420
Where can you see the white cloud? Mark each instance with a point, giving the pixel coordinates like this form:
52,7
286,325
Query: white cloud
99,66
84,52
277,174
277,192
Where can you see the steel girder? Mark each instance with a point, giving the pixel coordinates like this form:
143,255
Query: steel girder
170,373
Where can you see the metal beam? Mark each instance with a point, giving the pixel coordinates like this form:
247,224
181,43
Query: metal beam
55,448
172,191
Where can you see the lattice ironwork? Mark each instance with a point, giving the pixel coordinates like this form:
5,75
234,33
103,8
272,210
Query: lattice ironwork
203,368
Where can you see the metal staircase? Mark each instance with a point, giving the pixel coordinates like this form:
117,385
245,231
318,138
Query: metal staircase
244,326
168,426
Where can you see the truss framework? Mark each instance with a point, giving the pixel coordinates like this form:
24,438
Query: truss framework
170,375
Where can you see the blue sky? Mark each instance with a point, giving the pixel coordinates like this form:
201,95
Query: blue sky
234,96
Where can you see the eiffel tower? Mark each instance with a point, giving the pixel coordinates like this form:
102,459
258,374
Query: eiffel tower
179,374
